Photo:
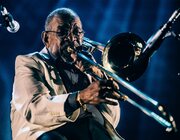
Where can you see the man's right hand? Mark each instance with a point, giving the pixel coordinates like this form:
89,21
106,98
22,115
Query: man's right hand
92,94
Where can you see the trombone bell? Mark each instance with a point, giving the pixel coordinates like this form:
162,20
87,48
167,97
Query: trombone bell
121,54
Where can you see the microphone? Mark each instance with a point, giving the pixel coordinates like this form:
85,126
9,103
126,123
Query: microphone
139,65
11,25
155,41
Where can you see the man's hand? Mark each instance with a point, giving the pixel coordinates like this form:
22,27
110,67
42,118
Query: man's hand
98,92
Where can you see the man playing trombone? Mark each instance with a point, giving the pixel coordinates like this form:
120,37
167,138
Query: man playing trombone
53,97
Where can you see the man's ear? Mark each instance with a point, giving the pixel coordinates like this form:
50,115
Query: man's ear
44,37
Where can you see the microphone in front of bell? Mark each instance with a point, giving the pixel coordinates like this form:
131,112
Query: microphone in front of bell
8,21
155,41
139,65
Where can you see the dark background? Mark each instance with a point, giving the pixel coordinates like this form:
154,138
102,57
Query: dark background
102,19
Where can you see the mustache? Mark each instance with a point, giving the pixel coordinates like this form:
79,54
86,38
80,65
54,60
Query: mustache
68,50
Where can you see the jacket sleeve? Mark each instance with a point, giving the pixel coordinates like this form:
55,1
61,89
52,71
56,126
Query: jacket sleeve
32,98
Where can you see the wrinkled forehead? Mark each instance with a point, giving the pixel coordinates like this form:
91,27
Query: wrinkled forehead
58,23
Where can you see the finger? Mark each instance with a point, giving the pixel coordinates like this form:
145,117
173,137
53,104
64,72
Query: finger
109,93
106,83
105,92
114,95
115,85
108,102
97,100
97,71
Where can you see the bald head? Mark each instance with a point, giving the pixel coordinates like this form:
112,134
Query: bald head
65,14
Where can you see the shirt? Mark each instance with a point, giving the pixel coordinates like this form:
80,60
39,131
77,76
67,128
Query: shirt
75,80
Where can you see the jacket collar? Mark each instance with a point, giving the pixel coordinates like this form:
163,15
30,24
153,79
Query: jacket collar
45,54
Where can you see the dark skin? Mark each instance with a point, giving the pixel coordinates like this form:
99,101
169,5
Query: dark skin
56,44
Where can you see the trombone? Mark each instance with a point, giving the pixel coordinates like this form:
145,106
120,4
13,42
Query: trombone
130,64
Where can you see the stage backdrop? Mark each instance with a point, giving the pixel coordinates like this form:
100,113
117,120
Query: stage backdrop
102,19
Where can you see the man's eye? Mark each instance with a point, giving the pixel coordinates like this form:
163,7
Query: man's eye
77,32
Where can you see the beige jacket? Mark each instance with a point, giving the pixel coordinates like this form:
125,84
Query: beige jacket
38,99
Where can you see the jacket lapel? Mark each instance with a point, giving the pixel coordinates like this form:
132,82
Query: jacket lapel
50,71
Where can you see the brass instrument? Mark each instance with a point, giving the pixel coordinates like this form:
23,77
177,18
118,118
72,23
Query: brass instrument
125,58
